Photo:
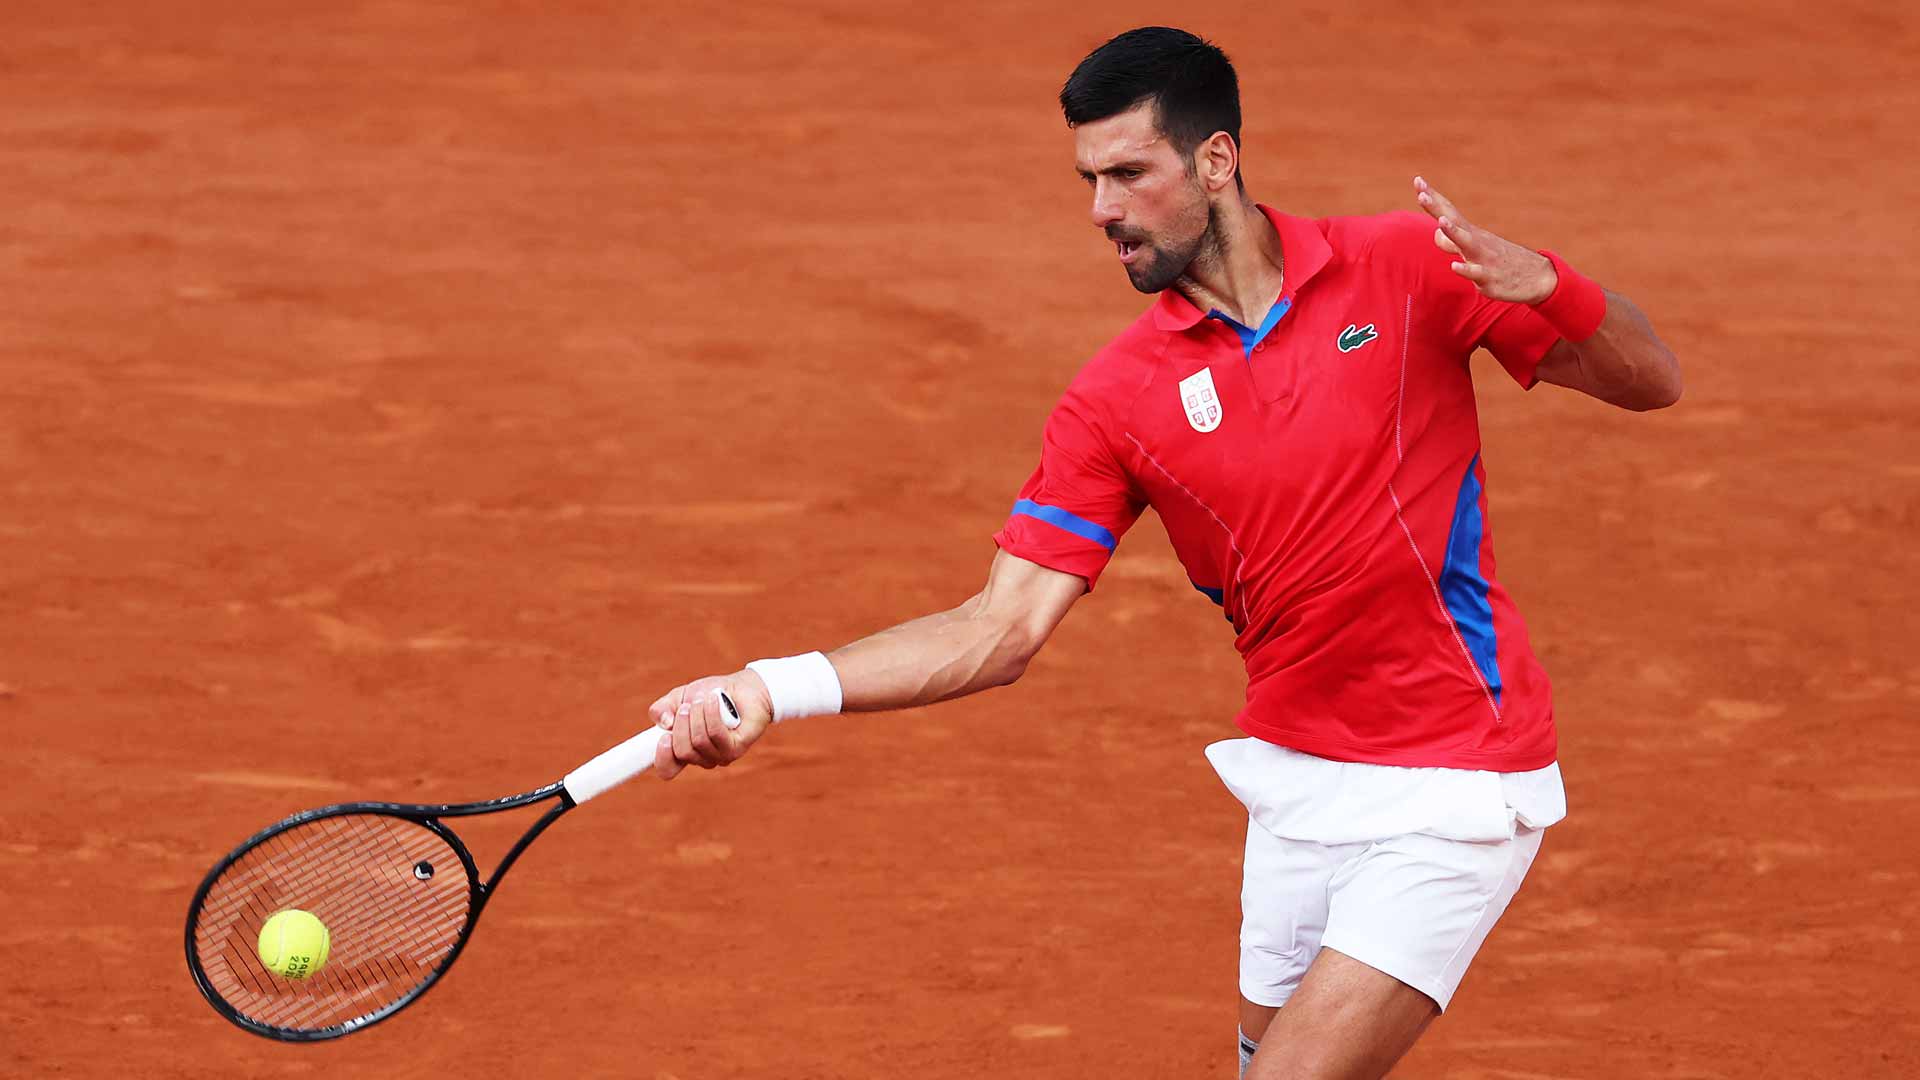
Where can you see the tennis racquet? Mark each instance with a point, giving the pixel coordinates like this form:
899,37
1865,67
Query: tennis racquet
398,891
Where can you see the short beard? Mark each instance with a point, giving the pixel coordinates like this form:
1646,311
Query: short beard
1164,266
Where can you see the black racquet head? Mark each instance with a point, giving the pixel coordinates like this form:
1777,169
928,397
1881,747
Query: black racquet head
396,889
398,894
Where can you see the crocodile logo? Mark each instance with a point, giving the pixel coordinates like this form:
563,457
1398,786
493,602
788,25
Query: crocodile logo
1355,336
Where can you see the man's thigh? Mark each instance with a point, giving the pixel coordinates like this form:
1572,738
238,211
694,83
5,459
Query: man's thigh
1383,951
1347,1021
1285,885
1419,907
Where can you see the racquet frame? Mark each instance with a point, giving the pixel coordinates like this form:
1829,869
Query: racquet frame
426,815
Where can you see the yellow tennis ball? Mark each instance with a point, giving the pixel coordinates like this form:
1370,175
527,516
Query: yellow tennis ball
293,943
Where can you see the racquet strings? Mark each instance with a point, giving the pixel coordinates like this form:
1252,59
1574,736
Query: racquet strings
393,894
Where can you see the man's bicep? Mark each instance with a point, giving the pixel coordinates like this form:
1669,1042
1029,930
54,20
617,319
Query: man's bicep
1026,593
1071,513
1562,367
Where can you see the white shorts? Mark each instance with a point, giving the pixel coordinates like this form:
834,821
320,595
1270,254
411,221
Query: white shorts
1416,907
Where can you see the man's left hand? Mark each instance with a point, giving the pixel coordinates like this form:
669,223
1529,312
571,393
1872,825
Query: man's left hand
1499,268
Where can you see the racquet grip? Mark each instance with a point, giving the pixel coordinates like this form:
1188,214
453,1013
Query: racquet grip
614,767
622,763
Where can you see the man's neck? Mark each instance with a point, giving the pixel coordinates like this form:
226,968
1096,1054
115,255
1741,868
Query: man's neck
1241,273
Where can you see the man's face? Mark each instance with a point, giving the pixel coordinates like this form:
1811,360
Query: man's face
1146,199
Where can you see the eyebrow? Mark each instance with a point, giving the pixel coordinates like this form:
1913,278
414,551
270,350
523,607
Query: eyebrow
1118,166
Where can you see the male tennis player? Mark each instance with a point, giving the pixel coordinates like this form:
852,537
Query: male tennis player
1297,407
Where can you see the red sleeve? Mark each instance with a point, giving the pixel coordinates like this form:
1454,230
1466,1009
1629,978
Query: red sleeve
1515,334
1079,501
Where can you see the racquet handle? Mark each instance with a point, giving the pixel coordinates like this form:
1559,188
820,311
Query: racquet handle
614,767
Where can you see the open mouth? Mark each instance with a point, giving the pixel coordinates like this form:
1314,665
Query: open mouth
1127,248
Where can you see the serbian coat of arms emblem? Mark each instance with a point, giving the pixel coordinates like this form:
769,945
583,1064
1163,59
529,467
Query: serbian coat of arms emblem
1202,404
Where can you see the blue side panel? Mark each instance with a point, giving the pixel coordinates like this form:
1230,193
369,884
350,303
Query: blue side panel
1061,519
1463,588
1218,596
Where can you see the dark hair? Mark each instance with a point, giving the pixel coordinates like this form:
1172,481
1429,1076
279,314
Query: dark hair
1189,80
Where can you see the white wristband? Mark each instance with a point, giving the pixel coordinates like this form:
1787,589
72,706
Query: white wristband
800,686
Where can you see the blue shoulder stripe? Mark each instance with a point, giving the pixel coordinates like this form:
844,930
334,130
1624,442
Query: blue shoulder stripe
1062,519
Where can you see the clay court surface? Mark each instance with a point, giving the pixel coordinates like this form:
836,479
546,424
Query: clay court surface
395,397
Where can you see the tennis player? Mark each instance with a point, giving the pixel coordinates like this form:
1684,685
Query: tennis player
1296,405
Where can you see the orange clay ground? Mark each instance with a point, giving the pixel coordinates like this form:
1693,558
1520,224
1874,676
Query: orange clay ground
395,397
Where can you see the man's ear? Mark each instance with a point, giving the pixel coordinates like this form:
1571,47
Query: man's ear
1216,161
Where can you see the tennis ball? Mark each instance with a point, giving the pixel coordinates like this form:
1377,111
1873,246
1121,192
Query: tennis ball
293,943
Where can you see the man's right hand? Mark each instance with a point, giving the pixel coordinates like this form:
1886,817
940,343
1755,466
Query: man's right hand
697,723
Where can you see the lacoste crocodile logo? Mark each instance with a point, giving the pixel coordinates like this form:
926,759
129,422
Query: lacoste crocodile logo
1355,336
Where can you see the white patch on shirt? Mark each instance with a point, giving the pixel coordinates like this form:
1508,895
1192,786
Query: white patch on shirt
1303,797
1200,401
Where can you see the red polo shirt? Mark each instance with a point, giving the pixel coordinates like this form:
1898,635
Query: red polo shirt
1320,479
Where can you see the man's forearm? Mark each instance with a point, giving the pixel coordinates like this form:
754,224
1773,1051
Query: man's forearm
945,655
1624,363
1618,359
1607,348
982,643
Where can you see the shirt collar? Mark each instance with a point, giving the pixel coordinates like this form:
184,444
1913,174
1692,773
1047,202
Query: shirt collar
1302,247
